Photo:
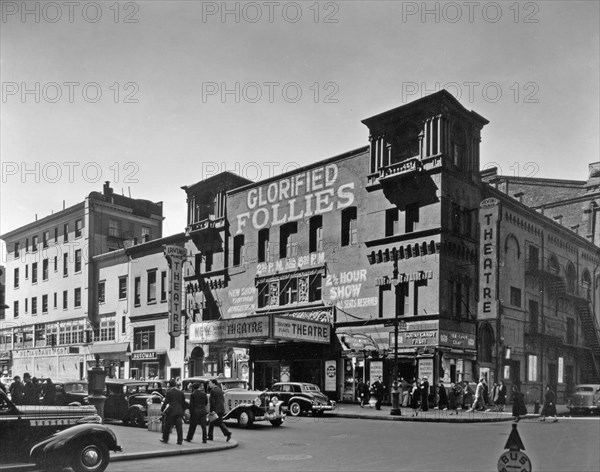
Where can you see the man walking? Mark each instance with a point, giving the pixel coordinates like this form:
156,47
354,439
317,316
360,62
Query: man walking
217,405
549,405
29,391
378,389
173,408
479,399
363,393
16,390
198,412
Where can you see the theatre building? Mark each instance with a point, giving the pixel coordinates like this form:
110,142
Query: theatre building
321,262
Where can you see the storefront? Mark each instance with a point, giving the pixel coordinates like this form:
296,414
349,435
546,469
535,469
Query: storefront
58,363
113,357
5,363
148,365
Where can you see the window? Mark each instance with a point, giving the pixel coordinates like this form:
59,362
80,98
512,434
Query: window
40,335
17,250
300,289
44,303
45,269
16,278
56,235
238,249
391,222
315,288
26,305
16,309
122,288
137,291
55,263
45,238
34,277
55,300
531,368
455,223
66,232
570,331
26,271
34,305
349,227
65,300
101,291
533,316
571,276
163,286
143,338
315,243
123,324
65,264
208,261
288,291
106,330
77,297
411,222
145,234
78,260
34,243
287,240
151,287
78,227
515,296
263,245
72,332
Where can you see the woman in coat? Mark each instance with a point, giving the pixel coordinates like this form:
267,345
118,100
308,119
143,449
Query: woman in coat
500,399
467,396
549,405
442,397
518,403
415,398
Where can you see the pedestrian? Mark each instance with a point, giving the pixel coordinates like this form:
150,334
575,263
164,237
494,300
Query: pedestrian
479,402
518,403
378,391
405,386
424,394
48,392
38,389
173,408
442,403
485,394
16,390
363,393
549,408
29,391
454,398
415,398
198,412
467,395
217,405
500,398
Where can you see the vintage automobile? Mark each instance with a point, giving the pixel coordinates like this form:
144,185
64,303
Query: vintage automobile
585,399
54,437
71,391
127,401
300,397
245,406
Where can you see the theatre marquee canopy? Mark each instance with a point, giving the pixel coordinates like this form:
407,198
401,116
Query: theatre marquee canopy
257,330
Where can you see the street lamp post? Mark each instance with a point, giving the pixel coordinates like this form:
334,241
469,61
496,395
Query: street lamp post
395,411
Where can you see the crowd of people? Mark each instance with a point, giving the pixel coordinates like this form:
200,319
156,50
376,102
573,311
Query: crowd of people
30,391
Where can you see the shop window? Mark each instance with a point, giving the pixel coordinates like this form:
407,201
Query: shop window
515,296
349,226
263,244
143,338
238,249
122,288
532,374
45,269
392,222
77,260
40,335
411,222
287,240
137,291
316,234
151,287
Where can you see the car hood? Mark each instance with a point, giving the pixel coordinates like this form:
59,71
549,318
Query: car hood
321,397
45,410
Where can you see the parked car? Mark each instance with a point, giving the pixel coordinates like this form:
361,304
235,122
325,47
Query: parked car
71,391
54,437
245,406
158,385
585,399
127,401
301,397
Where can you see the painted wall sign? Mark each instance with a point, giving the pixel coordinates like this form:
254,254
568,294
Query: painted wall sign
344,289
290,263
175,256
242,301
488,259
330,375
223,330
415,338
295,198
297,329
40,352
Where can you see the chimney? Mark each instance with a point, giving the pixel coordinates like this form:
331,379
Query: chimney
107,190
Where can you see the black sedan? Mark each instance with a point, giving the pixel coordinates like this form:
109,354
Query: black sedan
301,397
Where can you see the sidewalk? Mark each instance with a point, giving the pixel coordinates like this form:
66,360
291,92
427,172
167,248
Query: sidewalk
353,410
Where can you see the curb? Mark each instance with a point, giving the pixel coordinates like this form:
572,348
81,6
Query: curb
437,419
132,456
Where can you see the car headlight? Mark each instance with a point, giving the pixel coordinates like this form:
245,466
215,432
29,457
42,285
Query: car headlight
257,401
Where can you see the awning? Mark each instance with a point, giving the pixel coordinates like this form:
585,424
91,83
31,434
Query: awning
364,338
110,351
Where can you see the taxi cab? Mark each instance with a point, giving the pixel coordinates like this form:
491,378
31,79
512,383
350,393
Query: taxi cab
243,405
586,399
128,400
54,437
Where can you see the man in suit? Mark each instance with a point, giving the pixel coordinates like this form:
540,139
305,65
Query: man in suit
217,405
198,411
29,391
173,408
16,390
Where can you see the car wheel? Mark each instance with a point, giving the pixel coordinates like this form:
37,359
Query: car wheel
276,423
245,418
295,409
92,457
137,420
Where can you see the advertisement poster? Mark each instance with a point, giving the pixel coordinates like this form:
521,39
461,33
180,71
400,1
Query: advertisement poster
426,369
330,375
376,370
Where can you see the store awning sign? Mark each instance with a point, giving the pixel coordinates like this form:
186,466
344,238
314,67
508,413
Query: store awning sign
295,329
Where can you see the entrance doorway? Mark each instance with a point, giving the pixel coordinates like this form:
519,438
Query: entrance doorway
265,374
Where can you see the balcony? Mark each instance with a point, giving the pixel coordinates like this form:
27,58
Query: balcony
207,233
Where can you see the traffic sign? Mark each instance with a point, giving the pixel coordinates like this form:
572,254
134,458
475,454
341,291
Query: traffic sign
514,461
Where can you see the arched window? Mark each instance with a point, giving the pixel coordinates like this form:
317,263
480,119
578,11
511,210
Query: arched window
571,276
586,282
553,265
486,342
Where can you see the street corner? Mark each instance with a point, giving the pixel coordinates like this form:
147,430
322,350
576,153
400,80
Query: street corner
172,449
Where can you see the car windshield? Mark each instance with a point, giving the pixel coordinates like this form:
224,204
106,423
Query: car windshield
137,389
585,389
311,388
76,388
237,384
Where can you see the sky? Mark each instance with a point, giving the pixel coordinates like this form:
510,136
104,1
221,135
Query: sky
155,95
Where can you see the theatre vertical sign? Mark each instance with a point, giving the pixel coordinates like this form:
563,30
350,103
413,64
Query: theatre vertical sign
489,215
175,256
